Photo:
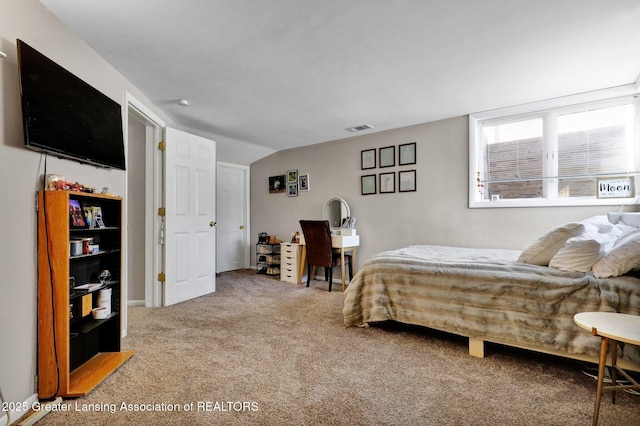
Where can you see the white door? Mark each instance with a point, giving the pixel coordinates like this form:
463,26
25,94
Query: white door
232,216
190,175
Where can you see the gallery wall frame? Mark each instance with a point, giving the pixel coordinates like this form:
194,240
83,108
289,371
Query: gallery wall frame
292,176
407,154
292,189
387,156
368,159
407,181
368,184
387,182
277,184
303,182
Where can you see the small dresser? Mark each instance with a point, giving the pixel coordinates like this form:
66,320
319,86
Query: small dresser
290,257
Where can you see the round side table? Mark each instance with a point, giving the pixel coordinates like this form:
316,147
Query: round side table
612,328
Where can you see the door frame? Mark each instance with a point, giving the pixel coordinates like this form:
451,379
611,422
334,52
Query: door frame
246,253
154,258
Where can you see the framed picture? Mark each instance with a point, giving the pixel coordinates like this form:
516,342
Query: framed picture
97,218
76,214
616,187
303,182
407,154
387,182
292,189
368,159
388,156
292,176
277,184
368,184
88,215
407,181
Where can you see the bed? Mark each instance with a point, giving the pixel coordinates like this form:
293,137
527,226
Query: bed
509,297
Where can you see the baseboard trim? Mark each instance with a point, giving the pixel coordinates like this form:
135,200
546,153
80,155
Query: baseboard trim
135,302
15,415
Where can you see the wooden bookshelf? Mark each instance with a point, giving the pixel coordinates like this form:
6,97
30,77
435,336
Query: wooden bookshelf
77,352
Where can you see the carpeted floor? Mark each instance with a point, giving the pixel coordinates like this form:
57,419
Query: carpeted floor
263,352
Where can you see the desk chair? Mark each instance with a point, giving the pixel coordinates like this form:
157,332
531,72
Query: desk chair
317,236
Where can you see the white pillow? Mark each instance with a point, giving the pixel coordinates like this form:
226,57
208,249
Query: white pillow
601,223
544,248
622,258
579,253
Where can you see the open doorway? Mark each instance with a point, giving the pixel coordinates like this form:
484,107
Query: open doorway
144,130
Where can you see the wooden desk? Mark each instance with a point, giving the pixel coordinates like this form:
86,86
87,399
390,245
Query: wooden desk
339,243
612,328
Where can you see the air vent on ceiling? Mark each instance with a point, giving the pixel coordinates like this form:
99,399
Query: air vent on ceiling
360,128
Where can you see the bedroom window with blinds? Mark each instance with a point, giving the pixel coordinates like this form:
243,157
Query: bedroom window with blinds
555,156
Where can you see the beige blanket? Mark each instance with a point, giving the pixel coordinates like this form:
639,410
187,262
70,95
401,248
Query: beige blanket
485,294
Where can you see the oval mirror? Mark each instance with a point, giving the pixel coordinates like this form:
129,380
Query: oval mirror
337,212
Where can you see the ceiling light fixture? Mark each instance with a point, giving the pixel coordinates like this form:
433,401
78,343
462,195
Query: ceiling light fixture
359,128
183,102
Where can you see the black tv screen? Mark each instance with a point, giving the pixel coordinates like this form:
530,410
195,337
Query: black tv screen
65,116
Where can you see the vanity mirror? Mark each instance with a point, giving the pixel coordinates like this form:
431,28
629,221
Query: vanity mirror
337,212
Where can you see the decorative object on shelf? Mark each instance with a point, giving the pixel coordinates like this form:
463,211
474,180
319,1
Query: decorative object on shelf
368,159
75,247
76,215
88,215
388,156
407,154
292,189
262,237
616,187
292,176
55,182
87,242
97,217
387,182
104,277
277,184
407,180
303,182
368,184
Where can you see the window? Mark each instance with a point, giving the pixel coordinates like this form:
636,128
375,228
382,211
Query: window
554,155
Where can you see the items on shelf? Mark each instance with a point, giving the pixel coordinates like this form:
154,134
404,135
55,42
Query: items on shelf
267,255
55,182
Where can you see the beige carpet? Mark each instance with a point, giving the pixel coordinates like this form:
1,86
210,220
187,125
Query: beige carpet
263,352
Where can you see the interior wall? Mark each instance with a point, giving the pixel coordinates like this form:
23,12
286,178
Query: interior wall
22,172
436,213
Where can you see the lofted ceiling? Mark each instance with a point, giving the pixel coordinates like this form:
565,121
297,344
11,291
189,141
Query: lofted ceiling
267,75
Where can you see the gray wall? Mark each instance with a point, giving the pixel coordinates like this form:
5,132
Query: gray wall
22,171
436,213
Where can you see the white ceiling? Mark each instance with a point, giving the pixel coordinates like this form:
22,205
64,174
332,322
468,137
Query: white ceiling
267,75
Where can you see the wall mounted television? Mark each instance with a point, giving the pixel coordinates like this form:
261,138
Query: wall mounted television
65,116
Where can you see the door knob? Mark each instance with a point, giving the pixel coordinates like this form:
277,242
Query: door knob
212,224
241,226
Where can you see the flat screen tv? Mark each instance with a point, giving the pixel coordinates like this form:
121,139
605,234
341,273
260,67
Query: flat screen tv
65,116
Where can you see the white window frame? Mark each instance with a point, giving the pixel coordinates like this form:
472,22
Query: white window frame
475,149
